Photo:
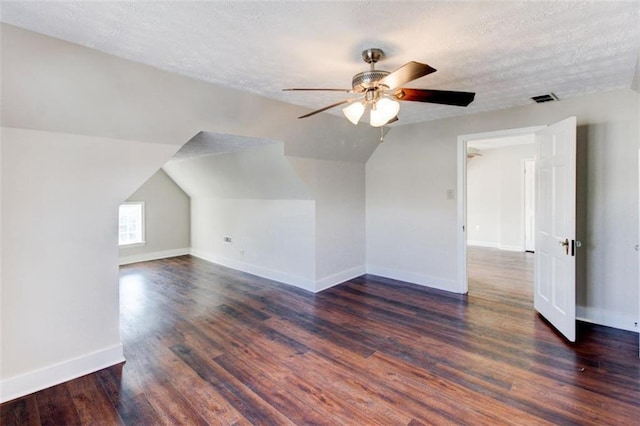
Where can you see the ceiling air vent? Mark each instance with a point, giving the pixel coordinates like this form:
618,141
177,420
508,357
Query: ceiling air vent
549,97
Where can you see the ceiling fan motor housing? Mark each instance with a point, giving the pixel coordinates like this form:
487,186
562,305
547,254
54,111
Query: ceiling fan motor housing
367,80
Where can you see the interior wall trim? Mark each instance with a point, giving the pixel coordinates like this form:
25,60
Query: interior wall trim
487,244
414,278
33,381
339,278
144,257
283,277
606,318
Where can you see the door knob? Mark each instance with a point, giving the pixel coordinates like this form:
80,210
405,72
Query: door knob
565,244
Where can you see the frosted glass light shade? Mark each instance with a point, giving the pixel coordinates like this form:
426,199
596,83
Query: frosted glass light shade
385,109
353,112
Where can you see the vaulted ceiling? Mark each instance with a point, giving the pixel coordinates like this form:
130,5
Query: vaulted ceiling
505,51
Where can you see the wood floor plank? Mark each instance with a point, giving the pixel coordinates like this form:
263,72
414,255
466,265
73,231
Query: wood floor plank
91,402
256,410
210,405
56,407
21,411
585,406
209,345
133,409
270,381
172,407
453,402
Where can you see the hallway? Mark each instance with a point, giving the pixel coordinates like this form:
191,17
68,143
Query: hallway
500,275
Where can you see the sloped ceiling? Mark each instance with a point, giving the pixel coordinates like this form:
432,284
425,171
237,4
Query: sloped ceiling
209,143
52,85
257,173
505,51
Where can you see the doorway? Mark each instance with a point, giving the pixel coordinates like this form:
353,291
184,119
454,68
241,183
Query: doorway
500,218
555,220
529,178
492,210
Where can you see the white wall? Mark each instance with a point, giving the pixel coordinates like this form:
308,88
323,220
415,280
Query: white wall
338,190
167,220
635,84
495,197
270,238
410,222
60,316
411,226
255,197
54,86
295,220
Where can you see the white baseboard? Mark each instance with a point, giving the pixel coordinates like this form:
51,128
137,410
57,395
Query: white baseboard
415,278
339,278
511,248
476,243
606,318
144,257
33,381
482,244
283,277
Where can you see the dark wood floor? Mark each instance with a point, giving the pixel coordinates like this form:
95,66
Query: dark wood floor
207,345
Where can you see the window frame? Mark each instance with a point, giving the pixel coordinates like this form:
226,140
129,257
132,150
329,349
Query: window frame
143,240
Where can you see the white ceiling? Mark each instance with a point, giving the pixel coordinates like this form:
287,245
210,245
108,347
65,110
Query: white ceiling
505,51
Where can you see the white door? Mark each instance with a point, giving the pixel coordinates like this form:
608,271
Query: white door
529,205
555,224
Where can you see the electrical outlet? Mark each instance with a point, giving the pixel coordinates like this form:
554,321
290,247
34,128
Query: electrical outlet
227,239
450,194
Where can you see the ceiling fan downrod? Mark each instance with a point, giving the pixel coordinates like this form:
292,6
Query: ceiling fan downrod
367,80
371,56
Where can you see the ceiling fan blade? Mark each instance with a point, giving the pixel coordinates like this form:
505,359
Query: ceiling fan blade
317,90
444,97
325,108
406,73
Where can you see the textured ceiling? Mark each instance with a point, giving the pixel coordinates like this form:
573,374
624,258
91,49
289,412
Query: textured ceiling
504,51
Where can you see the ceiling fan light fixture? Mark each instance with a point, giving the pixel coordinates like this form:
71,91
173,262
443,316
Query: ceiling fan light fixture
379,91
354,112
382,111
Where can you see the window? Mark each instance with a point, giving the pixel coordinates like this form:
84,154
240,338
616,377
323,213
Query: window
131,224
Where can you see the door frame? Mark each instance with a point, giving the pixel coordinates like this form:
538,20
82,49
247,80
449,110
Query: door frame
461,234
526,193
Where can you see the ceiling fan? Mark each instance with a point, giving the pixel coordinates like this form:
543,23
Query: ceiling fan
379,90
